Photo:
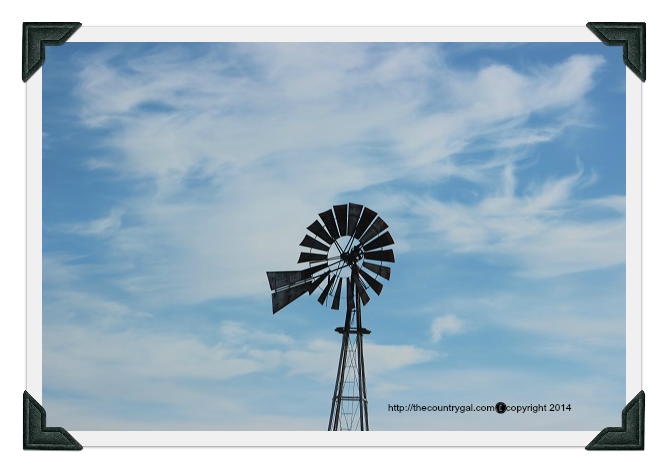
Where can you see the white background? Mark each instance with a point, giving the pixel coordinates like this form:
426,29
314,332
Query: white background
342,12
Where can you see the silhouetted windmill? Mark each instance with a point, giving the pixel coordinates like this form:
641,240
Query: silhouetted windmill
352,236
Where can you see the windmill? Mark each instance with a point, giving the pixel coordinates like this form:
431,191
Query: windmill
341,252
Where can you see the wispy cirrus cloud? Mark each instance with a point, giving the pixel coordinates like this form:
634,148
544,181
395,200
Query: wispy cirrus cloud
105,225
542,232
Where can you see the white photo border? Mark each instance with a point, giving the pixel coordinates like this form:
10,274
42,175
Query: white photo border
336,34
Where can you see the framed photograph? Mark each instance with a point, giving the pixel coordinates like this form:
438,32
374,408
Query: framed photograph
212,211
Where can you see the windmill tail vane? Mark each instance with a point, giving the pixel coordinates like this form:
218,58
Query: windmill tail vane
348,245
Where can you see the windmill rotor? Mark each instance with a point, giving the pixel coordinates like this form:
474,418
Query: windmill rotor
342,241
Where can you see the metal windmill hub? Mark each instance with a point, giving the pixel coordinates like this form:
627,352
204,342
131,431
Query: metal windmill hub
353,256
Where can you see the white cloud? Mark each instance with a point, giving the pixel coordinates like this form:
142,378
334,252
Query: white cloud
542,232
448,324
236,333
101,226
571,321
317,357
383,358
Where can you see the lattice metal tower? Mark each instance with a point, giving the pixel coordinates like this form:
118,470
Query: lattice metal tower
352,236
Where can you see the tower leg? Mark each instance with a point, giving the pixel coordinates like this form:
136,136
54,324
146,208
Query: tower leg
349,403
340,376
361,376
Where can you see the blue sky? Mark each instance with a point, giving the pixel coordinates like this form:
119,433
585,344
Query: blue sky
176,175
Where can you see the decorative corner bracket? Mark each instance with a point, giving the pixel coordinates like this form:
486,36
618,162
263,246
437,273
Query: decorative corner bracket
36,36
37,436
629,35
631,435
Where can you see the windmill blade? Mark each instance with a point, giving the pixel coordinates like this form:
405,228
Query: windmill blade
365,220
317,282
349,295
317,229
325,292
315,268
341,212
376,227
384,240
328,218
278,279
280,299
382,271
337,295
306,257
360,290
310,242
373,283
354,211
381,255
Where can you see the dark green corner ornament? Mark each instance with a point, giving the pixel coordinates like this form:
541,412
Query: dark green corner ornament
631,435
37,436
629,35
36,36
